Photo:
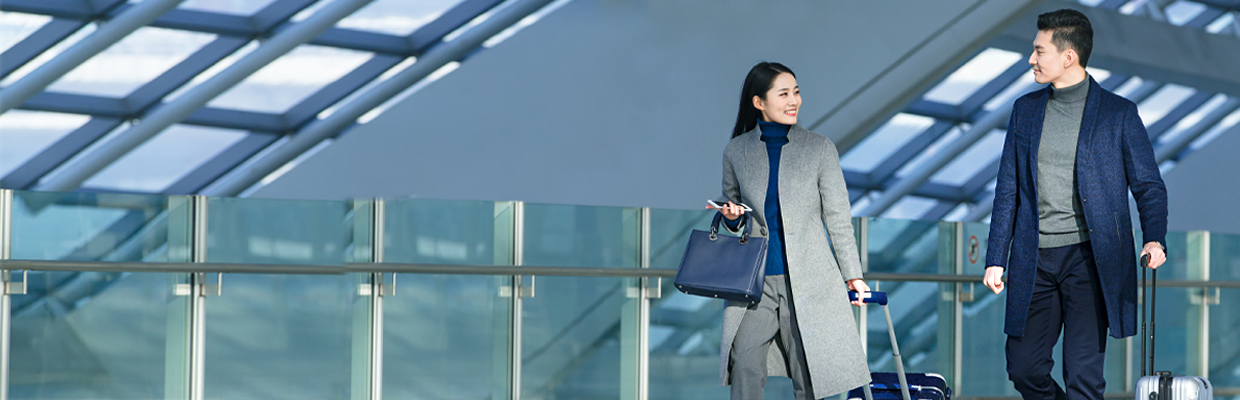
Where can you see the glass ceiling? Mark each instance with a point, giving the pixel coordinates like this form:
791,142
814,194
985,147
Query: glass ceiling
161,62
951,107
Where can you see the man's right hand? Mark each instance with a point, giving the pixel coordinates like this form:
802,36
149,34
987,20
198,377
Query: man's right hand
994,278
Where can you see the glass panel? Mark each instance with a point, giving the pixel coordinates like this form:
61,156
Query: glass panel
903,246
684,330
883,142
1225,316
397,17
571,338
1192,119
48,55
574,330
285,336
971,162
577,236
926,154
14,27
1224,257
286,81
983,340
1129,86
214,70
1180,12
95,335
922,316
1218,129
1015,89
669,234
161,161
240,7
910,207
1225,340
972,76
132,62
26,133
1162,102
89,226
460,322
923,327
112,343
445,232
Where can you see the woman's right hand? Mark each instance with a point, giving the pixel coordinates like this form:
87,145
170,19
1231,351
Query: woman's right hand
731,211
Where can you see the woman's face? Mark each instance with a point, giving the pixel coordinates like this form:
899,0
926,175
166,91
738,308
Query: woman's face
781,102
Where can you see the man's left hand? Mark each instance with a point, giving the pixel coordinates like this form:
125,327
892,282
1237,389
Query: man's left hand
1155,251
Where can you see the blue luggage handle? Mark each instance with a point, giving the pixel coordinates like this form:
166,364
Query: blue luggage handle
879,298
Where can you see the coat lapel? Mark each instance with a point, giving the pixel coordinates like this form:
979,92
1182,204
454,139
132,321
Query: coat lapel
1089,119
1035,130
755,155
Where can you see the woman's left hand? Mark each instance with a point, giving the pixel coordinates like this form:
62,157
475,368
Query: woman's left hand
859,286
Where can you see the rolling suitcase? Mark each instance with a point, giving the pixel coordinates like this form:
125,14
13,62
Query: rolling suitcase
898,385
1162,385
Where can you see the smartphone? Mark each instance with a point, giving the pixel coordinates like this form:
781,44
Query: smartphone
719,206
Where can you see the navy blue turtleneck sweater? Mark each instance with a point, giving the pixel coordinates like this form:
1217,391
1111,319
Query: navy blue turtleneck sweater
775,135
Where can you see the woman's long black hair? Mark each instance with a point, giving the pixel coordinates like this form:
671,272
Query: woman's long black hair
757,83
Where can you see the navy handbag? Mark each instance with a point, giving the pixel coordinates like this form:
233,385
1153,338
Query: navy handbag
723,266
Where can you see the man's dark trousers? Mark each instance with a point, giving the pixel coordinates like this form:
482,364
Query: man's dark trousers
1066,294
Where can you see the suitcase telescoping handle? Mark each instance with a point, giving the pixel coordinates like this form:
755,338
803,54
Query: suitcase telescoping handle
881,299
1150,293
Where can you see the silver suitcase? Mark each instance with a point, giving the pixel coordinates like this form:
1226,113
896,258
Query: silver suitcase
1162,385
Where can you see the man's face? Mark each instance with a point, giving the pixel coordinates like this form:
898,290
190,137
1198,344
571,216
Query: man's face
1048,62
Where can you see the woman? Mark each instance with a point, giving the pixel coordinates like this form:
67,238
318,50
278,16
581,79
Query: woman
791,178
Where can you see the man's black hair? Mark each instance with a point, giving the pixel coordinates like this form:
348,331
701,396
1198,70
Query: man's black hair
1070,29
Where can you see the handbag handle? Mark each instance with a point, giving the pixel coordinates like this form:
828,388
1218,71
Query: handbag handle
714,226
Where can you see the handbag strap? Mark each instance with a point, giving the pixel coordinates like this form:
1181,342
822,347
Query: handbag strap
714,225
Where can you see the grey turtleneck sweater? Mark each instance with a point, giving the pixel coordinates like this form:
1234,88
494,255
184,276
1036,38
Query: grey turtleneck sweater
1061,220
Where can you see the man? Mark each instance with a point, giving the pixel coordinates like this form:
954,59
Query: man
1073,152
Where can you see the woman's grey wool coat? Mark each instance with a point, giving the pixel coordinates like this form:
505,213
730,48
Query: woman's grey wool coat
811,192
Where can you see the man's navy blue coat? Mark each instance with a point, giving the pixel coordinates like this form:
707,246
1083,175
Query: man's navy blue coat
1113,156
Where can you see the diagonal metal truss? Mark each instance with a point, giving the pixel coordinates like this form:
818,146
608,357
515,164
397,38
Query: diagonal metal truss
233,34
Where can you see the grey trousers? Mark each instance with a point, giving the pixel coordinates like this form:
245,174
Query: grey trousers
772,320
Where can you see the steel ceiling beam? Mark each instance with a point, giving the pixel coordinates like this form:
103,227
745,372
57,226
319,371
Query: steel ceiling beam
122,25
182,107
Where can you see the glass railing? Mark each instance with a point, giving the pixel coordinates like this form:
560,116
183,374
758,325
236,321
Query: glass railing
113,296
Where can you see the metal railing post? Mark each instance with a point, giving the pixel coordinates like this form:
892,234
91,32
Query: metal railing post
643,313
198,329
6,318
518,245
376,305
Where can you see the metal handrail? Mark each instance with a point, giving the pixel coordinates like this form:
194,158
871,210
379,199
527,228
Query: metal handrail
461,269
944,278
451,269
1217,391
174,267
